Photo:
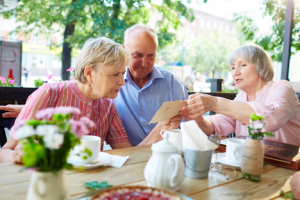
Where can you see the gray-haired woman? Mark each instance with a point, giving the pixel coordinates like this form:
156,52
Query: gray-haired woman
252,72
99,71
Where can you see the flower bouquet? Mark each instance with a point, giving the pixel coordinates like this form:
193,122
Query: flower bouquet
253,152
46,142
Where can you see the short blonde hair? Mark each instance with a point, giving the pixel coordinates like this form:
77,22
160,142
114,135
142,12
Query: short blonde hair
99,50
144,28
257,56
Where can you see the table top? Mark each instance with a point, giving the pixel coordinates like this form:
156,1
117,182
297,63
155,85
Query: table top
14,181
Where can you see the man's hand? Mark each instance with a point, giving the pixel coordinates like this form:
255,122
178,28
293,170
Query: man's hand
12,110
18,153
173,123
295,185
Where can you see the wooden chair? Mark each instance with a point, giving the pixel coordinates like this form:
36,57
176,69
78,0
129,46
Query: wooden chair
5,123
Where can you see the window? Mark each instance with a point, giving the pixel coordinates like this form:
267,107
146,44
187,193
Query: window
208,24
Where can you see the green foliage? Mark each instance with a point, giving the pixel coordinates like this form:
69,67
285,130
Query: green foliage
38,82
7,82
251,177
288,195
256,125
94,18
228,89
273,41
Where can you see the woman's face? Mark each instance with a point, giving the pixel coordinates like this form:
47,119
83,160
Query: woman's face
107,80
244,74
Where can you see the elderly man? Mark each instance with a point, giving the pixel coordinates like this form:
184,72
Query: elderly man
146,88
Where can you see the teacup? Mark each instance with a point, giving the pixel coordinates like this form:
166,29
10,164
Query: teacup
93,143
174,137
234,150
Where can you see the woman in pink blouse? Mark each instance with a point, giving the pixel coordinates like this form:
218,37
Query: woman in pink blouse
99,71
252,72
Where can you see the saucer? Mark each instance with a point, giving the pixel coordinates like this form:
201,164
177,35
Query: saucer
104,158
221,158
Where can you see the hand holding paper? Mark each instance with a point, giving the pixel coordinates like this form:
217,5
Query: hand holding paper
167,111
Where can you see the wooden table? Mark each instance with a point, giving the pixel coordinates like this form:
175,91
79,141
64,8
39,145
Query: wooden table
14,183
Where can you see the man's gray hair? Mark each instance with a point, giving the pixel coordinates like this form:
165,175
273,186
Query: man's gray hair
256,55
99,50
141,27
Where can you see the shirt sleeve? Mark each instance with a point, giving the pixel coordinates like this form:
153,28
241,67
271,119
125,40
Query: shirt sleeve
179,91
116,131
38,100
222,124
279,107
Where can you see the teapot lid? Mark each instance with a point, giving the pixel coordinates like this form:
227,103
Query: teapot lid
164,145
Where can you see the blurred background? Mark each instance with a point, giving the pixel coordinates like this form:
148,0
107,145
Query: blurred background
44,37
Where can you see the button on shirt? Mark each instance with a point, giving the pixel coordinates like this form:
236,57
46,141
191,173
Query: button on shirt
137,106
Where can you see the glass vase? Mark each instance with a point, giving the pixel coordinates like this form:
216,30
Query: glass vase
253,159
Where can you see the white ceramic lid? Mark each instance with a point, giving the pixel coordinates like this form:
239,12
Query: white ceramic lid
164,145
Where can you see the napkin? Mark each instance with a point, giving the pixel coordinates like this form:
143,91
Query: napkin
194,138
117,161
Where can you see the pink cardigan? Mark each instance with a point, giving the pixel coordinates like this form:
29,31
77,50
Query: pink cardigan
277,99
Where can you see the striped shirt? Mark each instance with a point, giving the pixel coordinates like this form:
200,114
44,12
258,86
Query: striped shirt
102,112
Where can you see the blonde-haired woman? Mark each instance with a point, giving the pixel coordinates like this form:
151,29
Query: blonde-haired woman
252,72
99,71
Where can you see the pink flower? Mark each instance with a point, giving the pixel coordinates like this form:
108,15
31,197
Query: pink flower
67,110
11,81
2,79
87,122
78,128
50,76
72,78
32,169
233,84
45,113
70,69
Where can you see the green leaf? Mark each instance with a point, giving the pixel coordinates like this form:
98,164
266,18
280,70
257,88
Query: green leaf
287,195
254,117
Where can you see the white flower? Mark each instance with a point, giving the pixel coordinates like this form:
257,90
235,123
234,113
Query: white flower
24,132
258,125
54,140
46,129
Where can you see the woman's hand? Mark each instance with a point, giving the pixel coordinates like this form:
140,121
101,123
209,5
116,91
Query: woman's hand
12,110
295,185
18,153
197,105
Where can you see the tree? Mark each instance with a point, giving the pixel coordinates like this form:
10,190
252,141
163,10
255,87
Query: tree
206,53
273,41
79,20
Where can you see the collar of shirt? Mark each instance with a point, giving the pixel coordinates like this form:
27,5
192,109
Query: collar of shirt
77,92
154,75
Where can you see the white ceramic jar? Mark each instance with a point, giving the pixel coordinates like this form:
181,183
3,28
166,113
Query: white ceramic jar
165,168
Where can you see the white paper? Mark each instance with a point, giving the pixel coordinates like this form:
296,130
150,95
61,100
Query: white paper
117,161
194,138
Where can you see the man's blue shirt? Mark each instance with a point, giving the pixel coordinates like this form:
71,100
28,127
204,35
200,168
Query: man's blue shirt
137,106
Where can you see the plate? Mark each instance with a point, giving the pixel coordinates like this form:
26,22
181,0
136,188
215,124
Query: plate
221,158
104,158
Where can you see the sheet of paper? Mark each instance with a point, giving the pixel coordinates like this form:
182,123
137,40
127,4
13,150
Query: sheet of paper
167,110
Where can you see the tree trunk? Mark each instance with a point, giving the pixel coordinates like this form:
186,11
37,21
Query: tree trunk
67,50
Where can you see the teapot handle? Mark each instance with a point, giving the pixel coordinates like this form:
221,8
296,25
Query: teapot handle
179,166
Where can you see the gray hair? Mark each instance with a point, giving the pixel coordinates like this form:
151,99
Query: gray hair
256,55
144,28
99,50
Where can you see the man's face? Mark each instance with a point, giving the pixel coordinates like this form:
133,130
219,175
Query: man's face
141,48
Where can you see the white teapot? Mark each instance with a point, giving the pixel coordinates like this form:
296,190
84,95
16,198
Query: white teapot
165,168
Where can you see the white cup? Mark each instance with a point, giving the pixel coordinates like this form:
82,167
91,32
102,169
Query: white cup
93,143
174,137
234,150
